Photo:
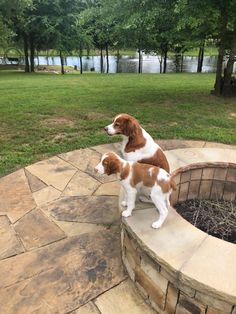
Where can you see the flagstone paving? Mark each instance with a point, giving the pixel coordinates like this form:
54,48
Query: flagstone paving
60,235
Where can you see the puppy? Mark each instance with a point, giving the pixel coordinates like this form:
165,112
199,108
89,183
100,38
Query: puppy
137,145
135,176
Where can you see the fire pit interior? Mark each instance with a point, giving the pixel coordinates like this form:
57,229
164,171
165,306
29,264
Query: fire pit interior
206,198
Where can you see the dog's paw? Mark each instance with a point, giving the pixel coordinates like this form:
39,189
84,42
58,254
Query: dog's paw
124,203
156,224
126,213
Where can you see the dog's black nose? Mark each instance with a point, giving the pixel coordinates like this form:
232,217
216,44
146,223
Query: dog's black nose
106,128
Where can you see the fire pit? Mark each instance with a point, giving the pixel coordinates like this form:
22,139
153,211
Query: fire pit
179,268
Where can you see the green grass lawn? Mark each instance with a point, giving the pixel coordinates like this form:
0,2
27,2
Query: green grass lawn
45,114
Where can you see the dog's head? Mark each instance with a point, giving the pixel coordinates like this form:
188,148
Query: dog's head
123,124
110,163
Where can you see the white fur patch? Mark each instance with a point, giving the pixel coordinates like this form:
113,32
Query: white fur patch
163,175
110,129
147,151
100,169
150,171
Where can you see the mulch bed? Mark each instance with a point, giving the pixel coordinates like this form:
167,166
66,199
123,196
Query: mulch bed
217,218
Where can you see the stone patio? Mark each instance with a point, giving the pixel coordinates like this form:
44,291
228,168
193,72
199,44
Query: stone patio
60,235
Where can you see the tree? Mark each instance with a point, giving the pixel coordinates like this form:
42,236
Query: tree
220,17
135,20
14,15
100,27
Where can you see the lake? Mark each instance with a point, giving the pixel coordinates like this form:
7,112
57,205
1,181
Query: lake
129,64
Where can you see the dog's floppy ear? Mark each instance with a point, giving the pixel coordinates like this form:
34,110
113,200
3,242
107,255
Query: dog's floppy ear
130,128
112,167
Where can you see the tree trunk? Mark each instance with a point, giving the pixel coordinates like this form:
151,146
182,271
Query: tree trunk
118,60
165,61
26,52
47,57
81,62
62,63
88,52
38,58
161,61
80,59
107,57
32,51
218,81
221,53
101,61
200,58
139,61
226,89
182,62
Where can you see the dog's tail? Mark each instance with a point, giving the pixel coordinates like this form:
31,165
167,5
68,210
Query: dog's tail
173,184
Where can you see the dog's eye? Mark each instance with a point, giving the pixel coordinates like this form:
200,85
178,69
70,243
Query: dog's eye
117,124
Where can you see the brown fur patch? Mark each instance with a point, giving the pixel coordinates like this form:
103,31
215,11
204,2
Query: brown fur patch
141,174
158,160
167,185
111,164
173,184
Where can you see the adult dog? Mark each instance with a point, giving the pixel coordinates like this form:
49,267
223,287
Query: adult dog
137,144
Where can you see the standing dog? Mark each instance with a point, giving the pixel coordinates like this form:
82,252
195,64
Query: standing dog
135,176
138,145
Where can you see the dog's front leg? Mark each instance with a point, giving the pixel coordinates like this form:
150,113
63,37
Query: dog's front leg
124,201
131,196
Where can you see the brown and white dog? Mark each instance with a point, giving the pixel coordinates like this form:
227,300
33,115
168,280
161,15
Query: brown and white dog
138,145
135,176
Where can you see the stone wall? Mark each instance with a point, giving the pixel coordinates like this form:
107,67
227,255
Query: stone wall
162,288
206,181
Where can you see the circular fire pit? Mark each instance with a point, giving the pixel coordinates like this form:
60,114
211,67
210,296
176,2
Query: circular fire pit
179,268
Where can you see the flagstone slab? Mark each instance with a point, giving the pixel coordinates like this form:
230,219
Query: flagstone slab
213,255
77,228
177,144
9,242
113,147
36,230
123,298
81,184
110,188
182,157
219,145
53,171
34,182
15,196
46,195
79,158
90,209
88,308
62,276
86,160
